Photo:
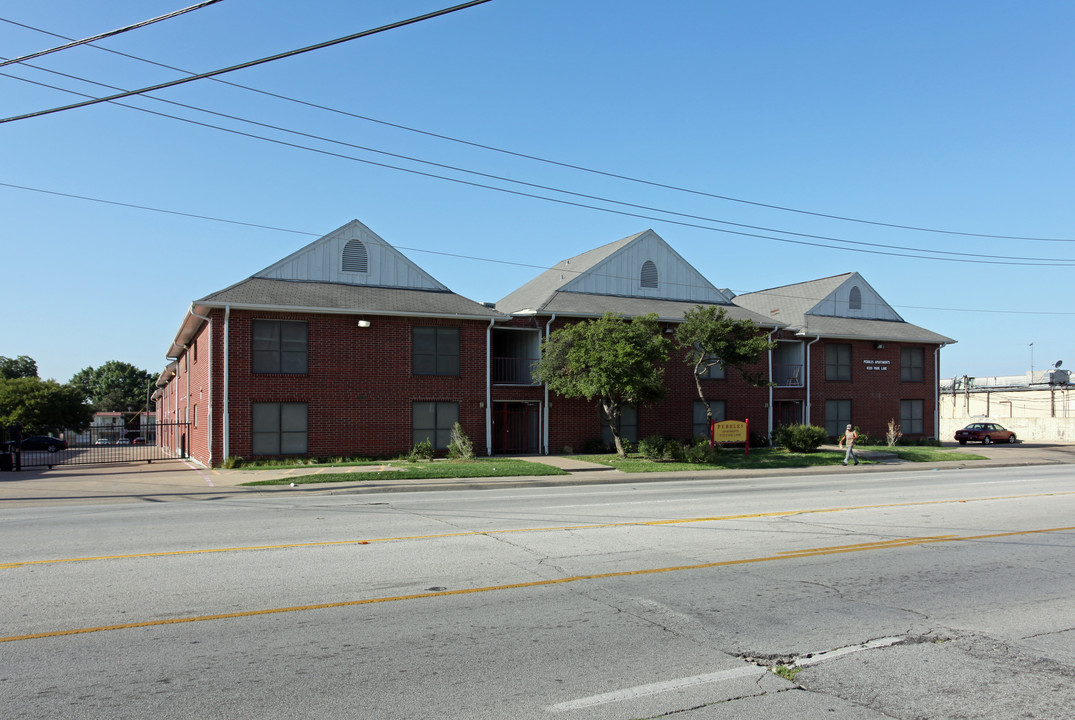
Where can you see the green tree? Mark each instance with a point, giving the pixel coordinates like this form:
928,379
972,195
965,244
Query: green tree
113,387
41,405
617,361
711,338
22,366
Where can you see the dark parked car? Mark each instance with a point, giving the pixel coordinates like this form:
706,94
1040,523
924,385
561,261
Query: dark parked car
984,433
40,442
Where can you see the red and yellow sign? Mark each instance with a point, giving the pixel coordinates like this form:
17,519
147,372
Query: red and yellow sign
732,431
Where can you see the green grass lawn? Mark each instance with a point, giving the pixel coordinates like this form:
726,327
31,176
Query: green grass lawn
778,458
405,470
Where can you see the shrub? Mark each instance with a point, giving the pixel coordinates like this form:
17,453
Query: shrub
800,438
673,450
594,446
232,462
893,434
459,446
701,452
421,451
652,448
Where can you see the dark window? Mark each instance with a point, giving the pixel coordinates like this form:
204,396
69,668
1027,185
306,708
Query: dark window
279,346
355,258
701,422
913,364
436,351
911,417
648,278
837,417
279,428
837,362
628,426
711,372
854,298
433,421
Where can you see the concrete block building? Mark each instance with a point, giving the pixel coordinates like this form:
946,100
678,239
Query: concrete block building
346,347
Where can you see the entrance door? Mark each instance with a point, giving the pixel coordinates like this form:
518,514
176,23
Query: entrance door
516,428
787,413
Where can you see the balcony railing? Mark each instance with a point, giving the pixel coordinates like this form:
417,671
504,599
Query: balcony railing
514,371
788,375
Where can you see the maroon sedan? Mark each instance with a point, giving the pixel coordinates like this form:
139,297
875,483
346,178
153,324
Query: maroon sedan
984,433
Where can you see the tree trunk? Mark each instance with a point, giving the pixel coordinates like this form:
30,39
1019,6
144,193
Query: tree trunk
612,414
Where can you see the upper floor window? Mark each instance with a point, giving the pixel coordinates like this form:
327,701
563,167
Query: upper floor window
436,351
854,300
648,278
837,361
279,346
355,258
913,364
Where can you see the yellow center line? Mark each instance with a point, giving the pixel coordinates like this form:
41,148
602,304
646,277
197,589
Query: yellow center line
862,547
473,533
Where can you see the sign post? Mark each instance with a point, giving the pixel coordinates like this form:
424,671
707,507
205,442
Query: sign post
732,431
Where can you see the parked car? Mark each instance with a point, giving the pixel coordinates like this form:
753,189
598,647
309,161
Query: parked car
102,441
985,433
40,442
138,441
123,441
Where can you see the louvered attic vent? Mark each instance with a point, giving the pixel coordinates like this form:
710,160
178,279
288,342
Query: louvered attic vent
354,257
649,275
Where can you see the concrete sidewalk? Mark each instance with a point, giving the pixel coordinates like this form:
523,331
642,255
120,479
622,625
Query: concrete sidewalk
176,479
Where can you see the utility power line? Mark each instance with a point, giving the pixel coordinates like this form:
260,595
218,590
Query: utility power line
460,256
567,165
954,256
249,64
110,33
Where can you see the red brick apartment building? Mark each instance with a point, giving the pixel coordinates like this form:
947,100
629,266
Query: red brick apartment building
346,347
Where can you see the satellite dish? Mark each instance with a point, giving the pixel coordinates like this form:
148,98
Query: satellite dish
1058,363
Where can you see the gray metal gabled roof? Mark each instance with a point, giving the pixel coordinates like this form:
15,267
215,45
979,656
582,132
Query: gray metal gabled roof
817,307
332,297
613,270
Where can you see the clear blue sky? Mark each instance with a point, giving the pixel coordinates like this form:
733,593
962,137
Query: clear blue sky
954,115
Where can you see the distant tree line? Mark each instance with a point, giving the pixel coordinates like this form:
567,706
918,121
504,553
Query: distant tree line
40,405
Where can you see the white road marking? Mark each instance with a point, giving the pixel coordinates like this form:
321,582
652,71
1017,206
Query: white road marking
656,688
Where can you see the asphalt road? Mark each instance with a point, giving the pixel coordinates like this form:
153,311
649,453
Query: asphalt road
913,594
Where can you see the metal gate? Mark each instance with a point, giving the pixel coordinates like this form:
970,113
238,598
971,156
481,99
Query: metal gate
95,445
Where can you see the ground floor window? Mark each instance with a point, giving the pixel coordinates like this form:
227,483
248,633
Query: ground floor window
433,421
628,426
701,422
279,428
837,417
911,417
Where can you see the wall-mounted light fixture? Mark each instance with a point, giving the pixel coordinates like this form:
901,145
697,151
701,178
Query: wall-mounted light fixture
363,323
878,346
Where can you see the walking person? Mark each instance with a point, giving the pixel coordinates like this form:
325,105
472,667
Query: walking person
850,436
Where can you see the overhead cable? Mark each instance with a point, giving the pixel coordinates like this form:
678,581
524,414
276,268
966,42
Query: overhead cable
249,64
110,33
571,166
1031,260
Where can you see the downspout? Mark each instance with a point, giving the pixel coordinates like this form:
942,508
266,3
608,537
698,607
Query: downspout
489,387
209,373
937,392
770,403
548,327
227,366
806,419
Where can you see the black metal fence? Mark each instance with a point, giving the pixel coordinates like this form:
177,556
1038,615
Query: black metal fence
94,445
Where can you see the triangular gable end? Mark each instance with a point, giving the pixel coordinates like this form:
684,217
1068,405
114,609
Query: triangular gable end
854,298
647,267
352,255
